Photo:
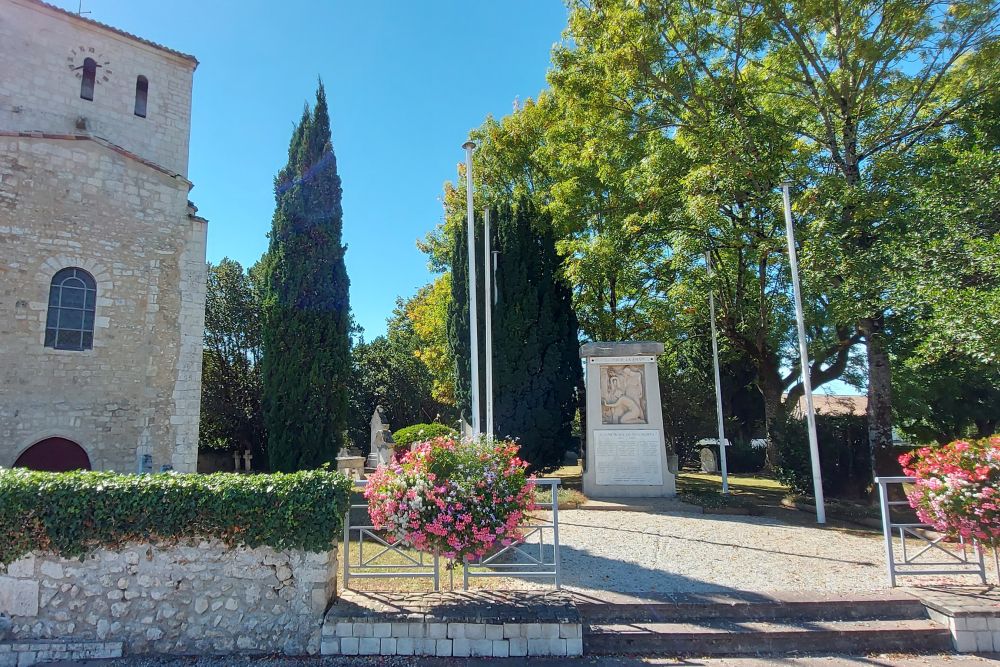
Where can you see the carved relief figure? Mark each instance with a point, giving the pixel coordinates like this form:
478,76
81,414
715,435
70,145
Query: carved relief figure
623,394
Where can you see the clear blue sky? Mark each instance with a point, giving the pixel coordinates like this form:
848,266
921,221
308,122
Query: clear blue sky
406,81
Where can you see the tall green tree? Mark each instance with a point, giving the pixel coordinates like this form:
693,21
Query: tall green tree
536,354
231,415
535,335
307,316
846,84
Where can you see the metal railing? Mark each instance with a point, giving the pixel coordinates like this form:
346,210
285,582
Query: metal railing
917,563
529,558
527,563
419,566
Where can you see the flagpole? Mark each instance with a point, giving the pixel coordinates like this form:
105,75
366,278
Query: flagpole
718,380
473,315
793,263
488,321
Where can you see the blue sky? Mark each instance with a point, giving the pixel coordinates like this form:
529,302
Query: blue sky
406,81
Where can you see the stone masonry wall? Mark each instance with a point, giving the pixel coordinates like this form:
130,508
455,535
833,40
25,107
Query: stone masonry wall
197,599
40,89
72,202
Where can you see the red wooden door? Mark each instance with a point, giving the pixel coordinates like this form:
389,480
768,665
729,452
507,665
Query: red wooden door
54,455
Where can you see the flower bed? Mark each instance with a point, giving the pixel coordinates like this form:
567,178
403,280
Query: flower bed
958,488
459,500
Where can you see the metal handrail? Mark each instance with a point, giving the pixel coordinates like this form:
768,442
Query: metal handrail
909,566
536,567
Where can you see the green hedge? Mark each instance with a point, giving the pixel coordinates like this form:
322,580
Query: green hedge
71,513
405,437
844,453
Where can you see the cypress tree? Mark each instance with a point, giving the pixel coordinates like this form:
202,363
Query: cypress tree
536,365
536,350
306,336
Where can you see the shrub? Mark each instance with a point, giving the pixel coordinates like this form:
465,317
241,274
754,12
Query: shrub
455,499
844,452
405,437
958,487
71,513
742,458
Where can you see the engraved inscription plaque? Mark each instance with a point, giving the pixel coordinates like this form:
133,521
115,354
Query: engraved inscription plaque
627,457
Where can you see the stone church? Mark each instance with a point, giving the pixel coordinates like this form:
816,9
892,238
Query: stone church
102,255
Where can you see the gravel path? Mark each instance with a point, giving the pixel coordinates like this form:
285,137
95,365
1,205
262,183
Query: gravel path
636,552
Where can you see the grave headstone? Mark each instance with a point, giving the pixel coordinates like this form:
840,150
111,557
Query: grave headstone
626,451
709,462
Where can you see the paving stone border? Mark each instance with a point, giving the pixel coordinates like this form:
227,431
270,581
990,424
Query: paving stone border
971,613
459,624
26,654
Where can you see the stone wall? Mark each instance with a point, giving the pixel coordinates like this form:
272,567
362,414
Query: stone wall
40,47
197,599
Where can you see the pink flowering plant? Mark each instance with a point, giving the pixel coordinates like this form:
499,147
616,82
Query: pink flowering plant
957,488
459,500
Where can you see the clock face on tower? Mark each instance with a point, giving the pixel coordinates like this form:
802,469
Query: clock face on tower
77,60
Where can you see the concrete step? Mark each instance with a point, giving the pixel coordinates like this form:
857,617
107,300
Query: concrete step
743,637
698,607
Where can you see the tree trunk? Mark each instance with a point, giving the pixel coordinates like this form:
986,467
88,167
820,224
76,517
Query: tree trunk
769,382
879,410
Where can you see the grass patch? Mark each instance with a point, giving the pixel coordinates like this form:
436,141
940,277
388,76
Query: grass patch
571,476
752,493
569,499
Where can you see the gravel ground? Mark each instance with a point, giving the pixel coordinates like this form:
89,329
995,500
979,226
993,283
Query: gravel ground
636,551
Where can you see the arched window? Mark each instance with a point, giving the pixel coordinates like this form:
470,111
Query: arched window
70,321
141,91
89,77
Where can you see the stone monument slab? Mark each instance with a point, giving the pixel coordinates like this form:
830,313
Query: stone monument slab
626,453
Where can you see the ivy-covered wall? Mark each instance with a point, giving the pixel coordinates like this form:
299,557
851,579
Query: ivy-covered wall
69,514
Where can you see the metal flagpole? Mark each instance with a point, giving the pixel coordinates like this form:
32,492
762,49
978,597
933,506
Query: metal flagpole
718,381
488,321
793,263
473,315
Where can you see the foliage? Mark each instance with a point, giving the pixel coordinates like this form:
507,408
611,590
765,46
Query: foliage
405,437
71,513
231,416
950,397
957,487
307,319
386,372
535,341
742,458
844,452
427,312
459,500
759,92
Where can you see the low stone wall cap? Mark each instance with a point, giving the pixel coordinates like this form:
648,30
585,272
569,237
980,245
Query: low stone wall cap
620,349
